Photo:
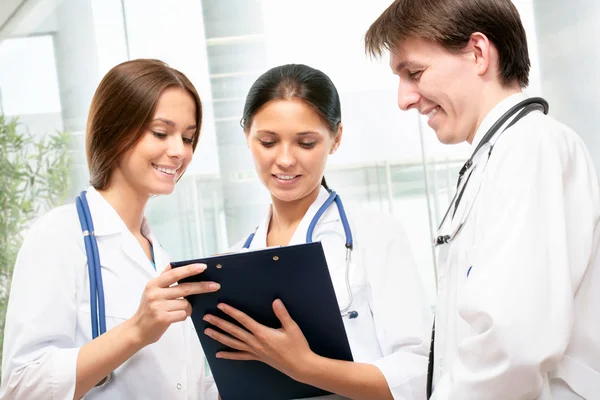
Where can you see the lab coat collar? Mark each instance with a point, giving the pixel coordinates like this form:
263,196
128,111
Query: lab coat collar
108,222
495,114
106,219
331,214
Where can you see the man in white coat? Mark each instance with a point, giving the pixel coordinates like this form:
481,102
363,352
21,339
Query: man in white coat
518,314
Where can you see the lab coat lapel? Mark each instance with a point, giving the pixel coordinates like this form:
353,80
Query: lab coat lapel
136,253
260,236
107,222
161,257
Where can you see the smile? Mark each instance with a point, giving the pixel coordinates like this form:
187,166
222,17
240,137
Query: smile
168,171
286,177
431,113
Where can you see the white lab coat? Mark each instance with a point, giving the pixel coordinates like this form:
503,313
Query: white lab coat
525,322
48,317
393,326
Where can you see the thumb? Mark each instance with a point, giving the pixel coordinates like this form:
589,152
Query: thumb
282,314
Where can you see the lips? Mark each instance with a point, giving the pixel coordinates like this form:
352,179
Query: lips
169,170
286,179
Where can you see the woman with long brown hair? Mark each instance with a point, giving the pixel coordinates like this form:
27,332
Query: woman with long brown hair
143,127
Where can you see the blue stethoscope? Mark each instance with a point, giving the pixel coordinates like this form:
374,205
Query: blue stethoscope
94,270
333,197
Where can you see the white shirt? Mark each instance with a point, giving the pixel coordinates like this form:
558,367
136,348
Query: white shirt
525,322
48,317
393,327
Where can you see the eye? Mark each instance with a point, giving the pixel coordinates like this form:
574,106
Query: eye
160,135
188,140
414,75
267,143
308,145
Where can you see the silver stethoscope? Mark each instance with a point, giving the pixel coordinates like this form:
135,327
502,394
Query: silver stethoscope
487,144
94,271
333,197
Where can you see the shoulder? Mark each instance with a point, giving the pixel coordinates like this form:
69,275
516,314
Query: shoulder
372,224
539,136
60,224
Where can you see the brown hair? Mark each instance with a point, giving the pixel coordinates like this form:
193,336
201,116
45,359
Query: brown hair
451,24
122,108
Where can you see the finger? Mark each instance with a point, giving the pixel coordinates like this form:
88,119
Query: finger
227,340
177,316
190,288
171,276
241,317
282,315
177,304
235,355
167,268
230,328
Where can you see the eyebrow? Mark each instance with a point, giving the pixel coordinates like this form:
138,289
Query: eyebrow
172,124
407,65
298,133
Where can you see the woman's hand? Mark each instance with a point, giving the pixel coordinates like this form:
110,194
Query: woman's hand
285,349
163,304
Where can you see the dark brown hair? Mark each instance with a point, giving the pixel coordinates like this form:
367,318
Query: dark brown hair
451,24
122,108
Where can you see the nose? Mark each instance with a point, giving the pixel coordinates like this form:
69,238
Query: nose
176,147
285,157
408,96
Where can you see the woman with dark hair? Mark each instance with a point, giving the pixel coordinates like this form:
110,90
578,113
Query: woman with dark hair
143,127
292,122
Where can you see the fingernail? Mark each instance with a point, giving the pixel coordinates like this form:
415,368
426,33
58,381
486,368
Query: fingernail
207,332
200,267
207,318
218,355
221,306
214,286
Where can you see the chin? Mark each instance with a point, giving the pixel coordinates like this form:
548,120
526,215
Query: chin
286,195
447,137
161,189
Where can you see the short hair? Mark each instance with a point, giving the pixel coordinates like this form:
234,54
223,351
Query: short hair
122,108
451,23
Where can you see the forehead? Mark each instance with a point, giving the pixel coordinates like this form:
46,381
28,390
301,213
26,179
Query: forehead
415,53
293,114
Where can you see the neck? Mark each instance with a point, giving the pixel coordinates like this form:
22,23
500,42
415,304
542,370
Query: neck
491,97
128,204
288,214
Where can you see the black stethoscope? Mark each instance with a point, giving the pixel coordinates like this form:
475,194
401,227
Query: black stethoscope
95,273
333,197
495,131
518,111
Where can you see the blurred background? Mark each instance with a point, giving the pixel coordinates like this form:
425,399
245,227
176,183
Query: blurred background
53,54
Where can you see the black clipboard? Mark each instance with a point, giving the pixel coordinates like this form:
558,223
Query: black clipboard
251,281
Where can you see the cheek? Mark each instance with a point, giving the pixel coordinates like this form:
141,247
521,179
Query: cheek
315,160
259,158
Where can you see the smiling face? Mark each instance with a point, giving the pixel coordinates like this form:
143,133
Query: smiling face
155,163
444,86
290,145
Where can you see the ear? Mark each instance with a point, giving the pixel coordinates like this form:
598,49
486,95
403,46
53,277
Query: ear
337,140
482,50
